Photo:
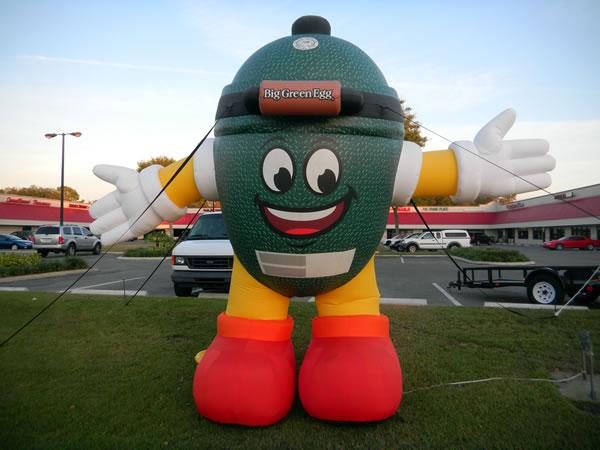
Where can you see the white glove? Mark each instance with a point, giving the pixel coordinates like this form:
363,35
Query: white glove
505,167
115,213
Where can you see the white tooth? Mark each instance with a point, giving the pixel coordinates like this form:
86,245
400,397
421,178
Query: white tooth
301,216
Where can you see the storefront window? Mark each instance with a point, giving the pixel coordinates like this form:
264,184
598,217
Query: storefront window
523,233
556,233
581,231
538,234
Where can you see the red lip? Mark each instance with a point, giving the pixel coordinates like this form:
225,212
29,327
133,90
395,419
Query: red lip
303,223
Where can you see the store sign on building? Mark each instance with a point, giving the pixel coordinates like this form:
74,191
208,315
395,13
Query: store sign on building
515,205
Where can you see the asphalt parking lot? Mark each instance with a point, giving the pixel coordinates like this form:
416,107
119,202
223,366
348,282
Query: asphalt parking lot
401,278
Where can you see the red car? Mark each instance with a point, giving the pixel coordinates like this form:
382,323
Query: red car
580,242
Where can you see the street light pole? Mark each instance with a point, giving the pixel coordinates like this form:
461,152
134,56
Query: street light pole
62,181
62,169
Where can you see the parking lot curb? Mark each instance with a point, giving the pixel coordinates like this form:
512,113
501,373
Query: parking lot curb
410,255
33,276
492,263
142,257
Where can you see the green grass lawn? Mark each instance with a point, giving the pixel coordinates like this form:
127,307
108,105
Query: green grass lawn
93,373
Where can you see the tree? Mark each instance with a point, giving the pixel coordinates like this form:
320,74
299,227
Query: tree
160,160
43,192
412,128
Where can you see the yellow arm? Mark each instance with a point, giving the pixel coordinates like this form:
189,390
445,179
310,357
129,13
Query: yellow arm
182,191
439,175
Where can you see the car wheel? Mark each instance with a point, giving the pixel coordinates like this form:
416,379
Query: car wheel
97,249
451,246
590,247
181,291
71,250
559,247
14,247
545,290
412,248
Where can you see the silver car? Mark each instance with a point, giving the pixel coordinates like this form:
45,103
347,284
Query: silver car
67,239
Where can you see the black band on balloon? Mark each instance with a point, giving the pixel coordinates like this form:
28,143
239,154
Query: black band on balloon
353,103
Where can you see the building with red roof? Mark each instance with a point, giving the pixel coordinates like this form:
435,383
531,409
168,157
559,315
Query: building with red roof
530,221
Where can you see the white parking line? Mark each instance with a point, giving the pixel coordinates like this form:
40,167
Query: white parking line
13,289
448,296
530,306
403,301
110,282
402,259
106,292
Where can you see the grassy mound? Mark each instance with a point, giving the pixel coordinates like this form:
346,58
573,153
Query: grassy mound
490,255
147,252
28,268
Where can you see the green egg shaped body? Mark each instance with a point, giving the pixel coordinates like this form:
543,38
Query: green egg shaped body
305,199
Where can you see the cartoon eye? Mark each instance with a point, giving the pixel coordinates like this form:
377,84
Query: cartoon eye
322,171
278,170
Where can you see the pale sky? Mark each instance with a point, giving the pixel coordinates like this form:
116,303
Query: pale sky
142,78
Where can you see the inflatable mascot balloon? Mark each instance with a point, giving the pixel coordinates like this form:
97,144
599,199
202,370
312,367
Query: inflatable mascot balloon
307,158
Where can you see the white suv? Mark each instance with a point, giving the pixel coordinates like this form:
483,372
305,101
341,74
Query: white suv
205,259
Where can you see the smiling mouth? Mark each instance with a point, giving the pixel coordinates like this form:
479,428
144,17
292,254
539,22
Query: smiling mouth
298,223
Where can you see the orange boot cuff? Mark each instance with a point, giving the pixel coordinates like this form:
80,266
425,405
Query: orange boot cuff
260,330
350,326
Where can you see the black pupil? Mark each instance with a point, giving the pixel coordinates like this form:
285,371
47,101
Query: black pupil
283,179
327,181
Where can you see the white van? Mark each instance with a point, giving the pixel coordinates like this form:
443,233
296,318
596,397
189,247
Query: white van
439,239
205,259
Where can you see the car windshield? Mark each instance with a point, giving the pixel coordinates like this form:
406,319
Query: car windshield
14,238
47,230
210,226
566,238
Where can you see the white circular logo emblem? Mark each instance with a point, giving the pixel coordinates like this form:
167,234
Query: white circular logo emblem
305,43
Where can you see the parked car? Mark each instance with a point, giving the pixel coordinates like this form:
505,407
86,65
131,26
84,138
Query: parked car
580,242
388,242
67,239
26,234
205,259
437,240
13,242
396,244
481,238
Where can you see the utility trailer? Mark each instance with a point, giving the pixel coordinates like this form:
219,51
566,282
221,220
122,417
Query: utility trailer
545,285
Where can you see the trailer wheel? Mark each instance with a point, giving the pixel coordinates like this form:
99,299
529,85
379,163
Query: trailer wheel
587,297
545,290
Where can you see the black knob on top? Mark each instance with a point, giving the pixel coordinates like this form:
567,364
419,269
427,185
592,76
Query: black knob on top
311,25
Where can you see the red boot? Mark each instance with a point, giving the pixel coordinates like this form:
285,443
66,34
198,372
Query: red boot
247,375
351,370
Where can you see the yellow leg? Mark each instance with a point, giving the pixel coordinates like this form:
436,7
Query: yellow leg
250,299
360,296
